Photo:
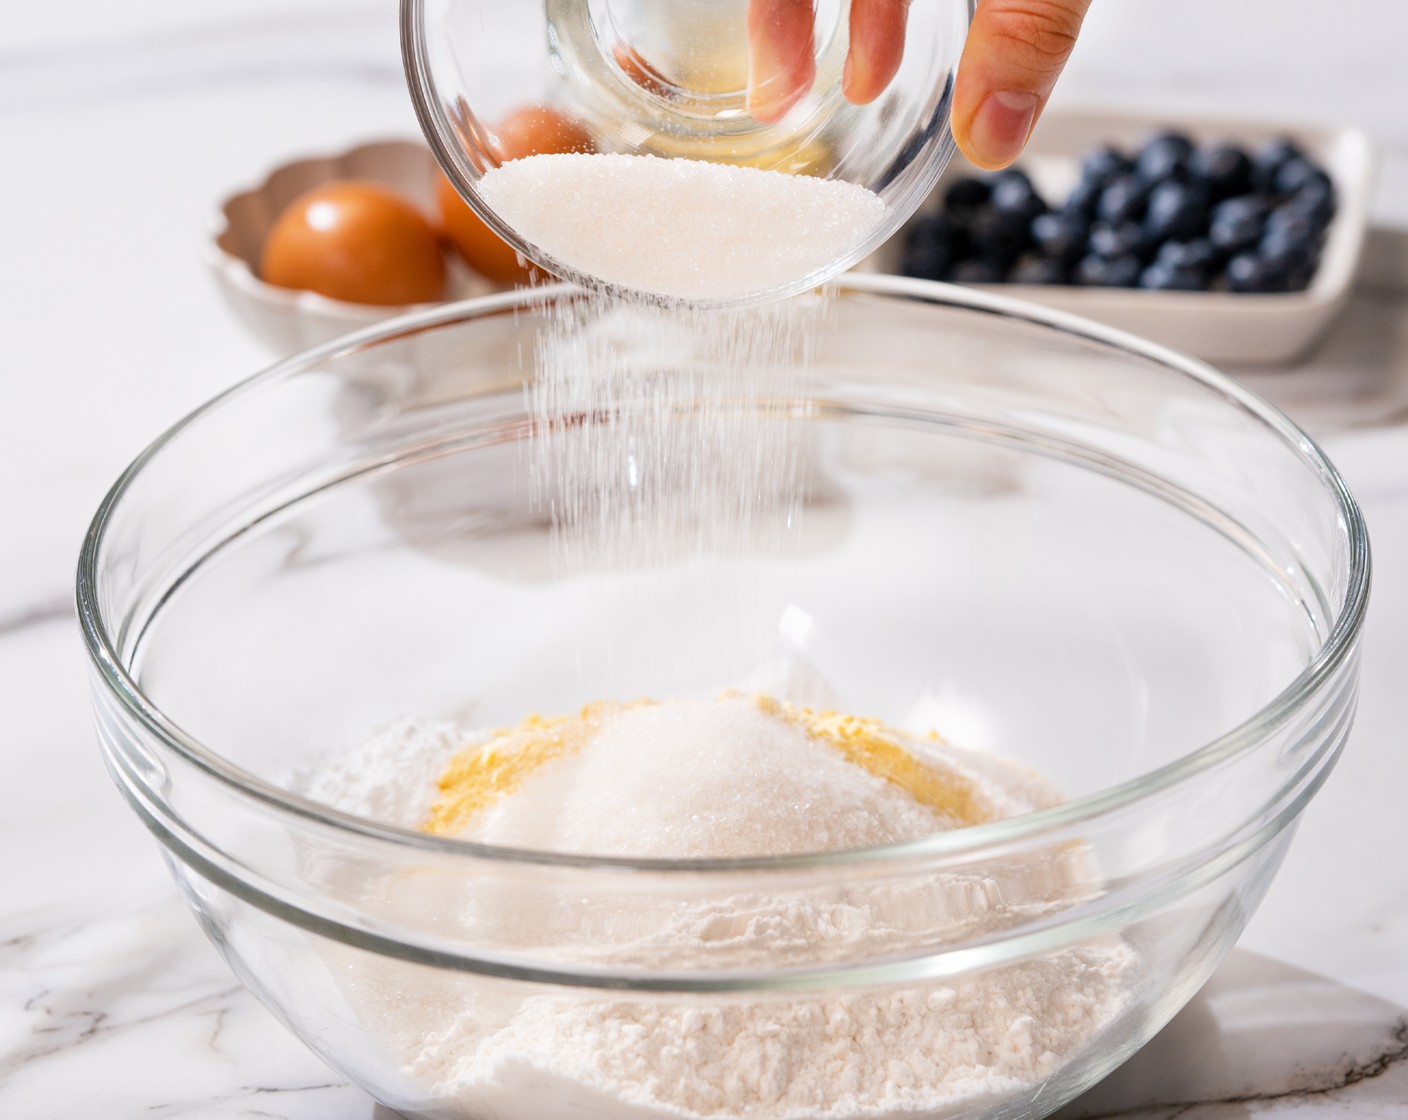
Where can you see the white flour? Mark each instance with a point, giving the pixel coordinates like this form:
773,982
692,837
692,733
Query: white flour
935,1048
932,1051
681,228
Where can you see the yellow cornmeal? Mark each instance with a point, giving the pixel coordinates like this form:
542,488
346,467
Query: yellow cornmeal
478,776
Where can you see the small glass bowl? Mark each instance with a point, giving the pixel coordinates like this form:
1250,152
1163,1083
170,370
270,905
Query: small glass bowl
1042,537
668,78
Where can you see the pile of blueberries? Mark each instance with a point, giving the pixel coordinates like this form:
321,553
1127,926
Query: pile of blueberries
1171,216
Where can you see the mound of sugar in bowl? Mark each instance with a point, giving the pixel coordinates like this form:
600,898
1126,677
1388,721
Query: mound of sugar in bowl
734,777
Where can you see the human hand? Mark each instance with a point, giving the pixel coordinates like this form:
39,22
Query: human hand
1015,51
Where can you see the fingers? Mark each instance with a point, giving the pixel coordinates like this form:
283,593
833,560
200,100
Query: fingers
1014,54
781,59
877,47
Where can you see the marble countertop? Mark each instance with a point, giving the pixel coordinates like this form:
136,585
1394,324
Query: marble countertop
123,124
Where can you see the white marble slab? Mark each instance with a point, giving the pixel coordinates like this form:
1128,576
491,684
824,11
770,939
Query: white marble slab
120,126
1263,1038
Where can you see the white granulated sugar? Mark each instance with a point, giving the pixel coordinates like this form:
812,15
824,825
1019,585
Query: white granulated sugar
702,780
681,228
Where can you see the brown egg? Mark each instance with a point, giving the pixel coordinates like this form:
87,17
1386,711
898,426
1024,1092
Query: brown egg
530,130
355,241
482,249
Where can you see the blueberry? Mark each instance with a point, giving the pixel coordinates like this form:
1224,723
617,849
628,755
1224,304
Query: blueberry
1292,269
924,264
1176,211
1012,178
997,236
1296,173
1251,272
1123,199
1060,235
1287,231
1101,164
1288,271
1197,254
1098,167
1237,223
1110,240
1243,206
966,194
1013,193
1083,199
1298,279
1268,161
1109,272
1225,168
1316,200
936,230
978,270
1040,270
1164,277
934,242
1164,156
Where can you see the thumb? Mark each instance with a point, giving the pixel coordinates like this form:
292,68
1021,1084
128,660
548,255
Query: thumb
1011,60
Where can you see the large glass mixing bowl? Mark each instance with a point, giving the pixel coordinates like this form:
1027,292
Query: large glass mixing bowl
669,79
1048,540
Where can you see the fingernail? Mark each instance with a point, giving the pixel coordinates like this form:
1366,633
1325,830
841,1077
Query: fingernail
1001,126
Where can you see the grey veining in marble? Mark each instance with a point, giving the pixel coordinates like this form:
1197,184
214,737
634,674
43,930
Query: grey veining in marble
140,990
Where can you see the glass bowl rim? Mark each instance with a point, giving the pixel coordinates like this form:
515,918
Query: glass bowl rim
967,842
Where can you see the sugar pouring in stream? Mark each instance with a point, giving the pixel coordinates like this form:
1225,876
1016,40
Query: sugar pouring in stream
667,438
661,432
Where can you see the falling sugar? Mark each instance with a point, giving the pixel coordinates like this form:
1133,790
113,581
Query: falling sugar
666,437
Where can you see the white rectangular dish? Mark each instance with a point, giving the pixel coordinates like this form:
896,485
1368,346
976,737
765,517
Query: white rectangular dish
1218,327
